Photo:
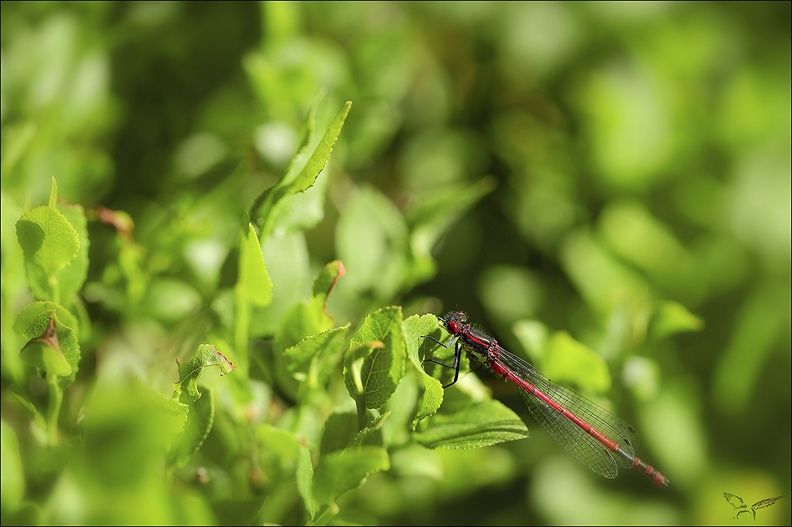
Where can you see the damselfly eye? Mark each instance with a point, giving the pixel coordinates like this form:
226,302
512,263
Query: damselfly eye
452,327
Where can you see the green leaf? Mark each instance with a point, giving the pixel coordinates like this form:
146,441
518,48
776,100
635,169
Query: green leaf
304,475
44,352
635,235
670,318
288,265
432,215
299,178
325,282
280,443
483,424
72,277
33,319
254,282
533,336
199,423
300,211
603,281
371,432
415,328
310,318
131,263
313,360
339,472
303,320
643,377
301,174
186,388
51,331
373,372
306,137
126,432
353,368
569,361
284,454
12,489
339,431
53,197
172,299
49,243
372,241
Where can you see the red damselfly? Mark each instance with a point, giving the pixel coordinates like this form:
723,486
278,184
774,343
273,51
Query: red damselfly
592,434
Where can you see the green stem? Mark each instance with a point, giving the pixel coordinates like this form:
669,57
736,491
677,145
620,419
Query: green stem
54,288
53,412
361,411
242,332
327,513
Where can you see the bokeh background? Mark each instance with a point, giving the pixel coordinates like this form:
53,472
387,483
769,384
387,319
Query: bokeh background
633,155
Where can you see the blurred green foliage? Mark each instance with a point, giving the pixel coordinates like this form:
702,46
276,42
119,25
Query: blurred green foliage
605,186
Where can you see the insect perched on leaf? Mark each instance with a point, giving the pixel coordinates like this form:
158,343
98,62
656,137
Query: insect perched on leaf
593,436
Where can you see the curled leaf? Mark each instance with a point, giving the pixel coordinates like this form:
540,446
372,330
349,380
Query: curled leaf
44,352
186,388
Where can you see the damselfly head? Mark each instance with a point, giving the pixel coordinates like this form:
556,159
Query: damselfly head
457,316
453,321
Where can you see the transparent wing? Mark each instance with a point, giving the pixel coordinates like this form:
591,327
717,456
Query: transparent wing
566,433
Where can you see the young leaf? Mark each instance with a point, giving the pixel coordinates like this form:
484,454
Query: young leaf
284,454
415,328
671,317
299,177
264,202
325,282
603,280
339,472
310,318
312,361
49,243
371,430
339,431
300,180
127,429
33,319
300,211
486,423
186,388
372,241
305,178
288,265
53,197
196,430
254,282
72,277
280,443
305,474
44,352
567,360
51,331
382,367
306,138
431,217
12,490
354,360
